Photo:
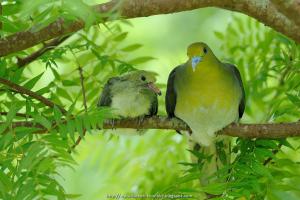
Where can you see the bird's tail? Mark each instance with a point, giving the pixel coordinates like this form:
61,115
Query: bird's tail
211,158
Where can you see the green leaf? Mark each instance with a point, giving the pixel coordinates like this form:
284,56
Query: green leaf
17,75
42,120
79,128
132,47
5,181
284,142
10,9
263,154
294,99
3,70
31,83
69,83
266,143
215,189
219,35
8,25
141,60
57,114
73,196
260,169
71,127
63,130
63,93
55,73
120,37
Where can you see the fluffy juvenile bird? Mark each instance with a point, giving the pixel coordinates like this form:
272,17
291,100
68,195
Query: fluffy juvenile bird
205,93
131,95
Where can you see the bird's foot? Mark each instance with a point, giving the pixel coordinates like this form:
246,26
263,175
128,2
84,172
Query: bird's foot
112,123
140,121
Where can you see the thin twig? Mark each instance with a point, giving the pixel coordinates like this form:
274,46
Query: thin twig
82,88
22,62
30,93
84,101
17,114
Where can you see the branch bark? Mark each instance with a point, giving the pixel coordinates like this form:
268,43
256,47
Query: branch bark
17,114
47,47
262,10
290,8
267,131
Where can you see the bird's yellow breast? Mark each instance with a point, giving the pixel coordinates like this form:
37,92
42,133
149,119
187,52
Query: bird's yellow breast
205,88
207,100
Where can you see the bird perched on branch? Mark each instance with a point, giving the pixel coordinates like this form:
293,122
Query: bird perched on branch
131,95
206,94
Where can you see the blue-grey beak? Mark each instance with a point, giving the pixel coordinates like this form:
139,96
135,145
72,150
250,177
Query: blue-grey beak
195,61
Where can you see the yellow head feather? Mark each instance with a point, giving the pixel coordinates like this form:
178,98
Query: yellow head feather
200,54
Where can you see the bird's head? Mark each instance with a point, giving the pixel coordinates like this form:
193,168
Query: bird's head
199,52
144,80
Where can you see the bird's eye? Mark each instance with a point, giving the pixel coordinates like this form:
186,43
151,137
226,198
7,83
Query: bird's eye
143,78
205,50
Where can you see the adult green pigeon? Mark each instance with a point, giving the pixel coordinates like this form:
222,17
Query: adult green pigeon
205,93
208,95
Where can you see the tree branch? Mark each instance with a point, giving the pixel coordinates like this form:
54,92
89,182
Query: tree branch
290,8
17,114
84,104
23,90
262,10
47,47
267,131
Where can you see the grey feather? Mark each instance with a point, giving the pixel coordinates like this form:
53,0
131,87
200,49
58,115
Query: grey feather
106,96
170,99
154,106
238,76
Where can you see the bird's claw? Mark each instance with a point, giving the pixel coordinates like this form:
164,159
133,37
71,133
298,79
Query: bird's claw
112,123
140,121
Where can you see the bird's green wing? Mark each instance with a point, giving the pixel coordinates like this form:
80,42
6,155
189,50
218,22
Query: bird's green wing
154,106
170,99
106,96
238,76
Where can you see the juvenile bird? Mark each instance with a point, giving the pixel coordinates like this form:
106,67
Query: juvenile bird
205,93
131,95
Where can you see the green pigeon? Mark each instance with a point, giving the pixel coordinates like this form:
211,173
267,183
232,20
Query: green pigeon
206,94
131,95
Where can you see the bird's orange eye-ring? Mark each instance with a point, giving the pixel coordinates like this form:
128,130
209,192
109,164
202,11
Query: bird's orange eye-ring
205,50
143,78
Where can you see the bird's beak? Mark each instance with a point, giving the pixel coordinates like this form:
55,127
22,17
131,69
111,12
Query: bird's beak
155,89
195,61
